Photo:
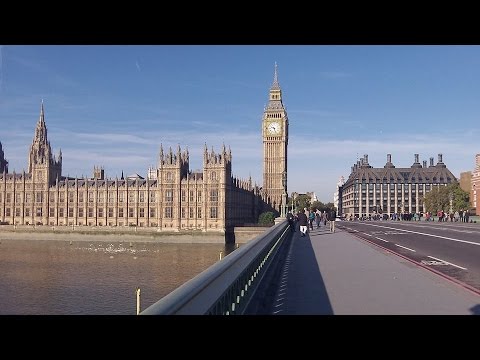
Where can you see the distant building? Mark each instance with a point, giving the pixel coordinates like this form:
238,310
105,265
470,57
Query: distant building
313,197
466,181
310,195
172,198
391,190
337,194
466,184
475,190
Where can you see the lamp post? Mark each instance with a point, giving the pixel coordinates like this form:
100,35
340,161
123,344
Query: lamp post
283,212
450,197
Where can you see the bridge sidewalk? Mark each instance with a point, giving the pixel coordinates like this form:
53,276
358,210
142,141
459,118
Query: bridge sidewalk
338,273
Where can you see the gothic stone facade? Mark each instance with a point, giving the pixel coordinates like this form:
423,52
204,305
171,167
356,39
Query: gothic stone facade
391,190
178,199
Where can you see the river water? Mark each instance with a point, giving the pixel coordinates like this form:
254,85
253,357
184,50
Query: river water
46,277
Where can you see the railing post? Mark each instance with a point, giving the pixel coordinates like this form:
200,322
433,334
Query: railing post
137,292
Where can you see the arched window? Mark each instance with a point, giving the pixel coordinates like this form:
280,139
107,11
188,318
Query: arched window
168,176
214,176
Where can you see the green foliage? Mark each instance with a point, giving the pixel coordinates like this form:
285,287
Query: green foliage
317,205
302,201
461,198
439,198
434,200
266,218
329,207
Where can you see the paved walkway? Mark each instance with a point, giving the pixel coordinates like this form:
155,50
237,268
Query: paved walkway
338,273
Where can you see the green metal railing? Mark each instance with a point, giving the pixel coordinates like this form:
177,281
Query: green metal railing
226,287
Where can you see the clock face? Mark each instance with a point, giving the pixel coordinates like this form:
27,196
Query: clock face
274,128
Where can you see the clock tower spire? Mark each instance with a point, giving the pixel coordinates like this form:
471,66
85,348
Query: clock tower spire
275,141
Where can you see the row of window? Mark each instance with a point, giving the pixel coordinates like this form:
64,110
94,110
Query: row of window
169,196
398,181
412,186
169,176
168,212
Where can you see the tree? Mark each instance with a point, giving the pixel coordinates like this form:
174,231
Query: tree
317,205
330,206
461,198
266,218
439,198
302,201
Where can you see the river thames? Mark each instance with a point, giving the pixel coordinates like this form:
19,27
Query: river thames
45,277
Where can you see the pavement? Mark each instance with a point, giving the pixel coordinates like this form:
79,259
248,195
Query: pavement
340,274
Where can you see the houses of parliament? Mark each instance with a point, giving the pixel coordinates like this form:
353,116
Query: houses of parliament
171,198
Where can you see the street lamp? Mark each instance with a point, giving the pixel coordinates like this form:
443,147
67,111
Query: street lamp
450,197
294,199
284,195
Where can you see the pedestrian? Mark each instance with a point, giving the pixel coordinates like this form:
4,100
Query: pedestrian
332,217
291,221
318,218
302,221
311,218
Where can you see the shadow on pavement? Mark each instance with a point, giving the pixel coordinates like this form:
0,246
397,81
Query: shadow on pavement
305,293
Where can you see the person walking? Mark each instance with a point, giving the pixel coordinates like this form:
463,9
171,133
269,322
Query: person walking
332,216
302,221
311,219
291,221
318,218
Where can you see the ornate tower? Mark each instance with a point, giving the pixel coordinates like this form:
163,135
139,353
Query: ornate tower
172,169
3,161
275,141
217,173
42,164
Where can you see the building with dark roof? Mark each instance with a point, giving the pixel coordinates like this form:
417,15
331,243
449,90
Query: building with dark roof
390,190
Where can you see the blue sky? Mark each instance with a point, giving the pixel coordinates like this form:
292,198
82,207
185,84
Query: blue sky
114,105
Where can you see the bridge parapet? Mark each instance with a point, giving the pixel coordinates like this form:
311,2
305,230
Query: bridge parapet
226,287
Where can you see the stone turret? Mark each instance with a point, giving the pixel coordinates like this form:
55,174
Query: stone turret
3,161
42,164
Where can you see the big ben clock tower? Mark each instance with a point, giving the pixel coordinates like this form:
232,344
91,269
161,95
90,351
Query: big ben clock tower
275,141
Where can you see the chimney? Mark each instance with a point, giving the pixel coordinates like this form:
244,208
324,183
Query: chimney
366,158
440,158
416,158
389,158
477,161
431,161
424,163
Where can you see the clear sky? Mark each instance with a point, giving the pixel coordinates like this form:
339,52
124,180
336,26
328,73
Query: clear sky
113,106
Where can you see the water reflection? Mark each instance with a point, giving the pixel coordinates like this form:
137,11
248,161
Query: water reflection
56,277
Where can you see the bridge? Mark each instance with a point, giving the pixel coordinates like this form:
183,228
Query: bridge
363,268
